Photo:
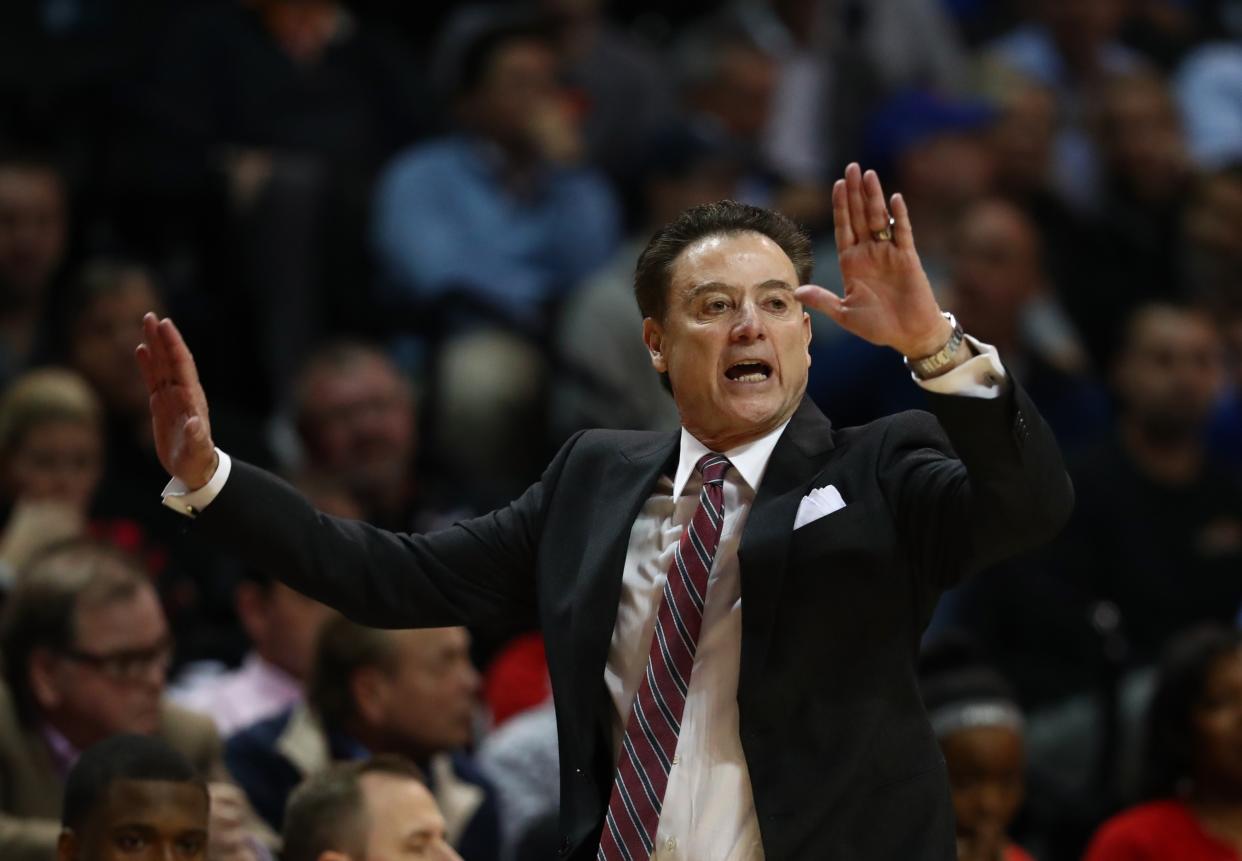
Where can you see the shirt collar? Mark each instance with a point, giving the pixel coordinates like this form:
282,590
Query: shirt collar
64,754
750,459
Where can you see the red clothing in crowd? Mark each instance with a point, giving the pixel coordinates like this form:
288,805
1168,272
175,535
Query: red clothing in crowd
1016,853
1159,830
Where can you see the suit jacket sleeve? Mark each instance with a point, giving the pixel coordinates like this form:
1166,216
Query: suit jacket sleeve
993,487
477,572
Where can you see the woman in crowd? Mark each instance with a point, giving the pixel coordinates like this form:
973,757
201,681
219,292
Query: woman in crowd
1194,756
980,729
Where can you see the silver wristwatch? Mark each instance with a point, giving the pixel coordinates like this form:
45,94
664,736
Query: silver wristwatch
929,366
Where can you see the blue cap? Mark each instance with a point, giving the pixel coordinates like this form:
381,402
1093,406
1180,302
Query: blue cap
913,117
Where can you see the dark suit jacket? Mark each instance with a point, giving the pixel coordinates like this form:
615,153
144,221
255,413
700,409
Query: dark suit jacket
842,761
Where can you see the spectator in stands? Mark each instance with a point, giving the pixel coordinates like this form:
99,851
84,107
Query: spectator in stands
605,378
86,650
133,794
980,729
1130,254
357,423
1180,565
107,300
1209,93
282,626
521,759
34,228
485,231
1194,744
374,808
51,459
1212,250
999,290
373,692
1070,46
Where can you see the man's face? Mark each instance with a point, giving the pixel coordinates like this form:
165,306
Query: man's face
733,340
103,339
359,424
521,85
112,679
1142,138
1169,376
404,820
282,624
143,820
995,267
426,704
56,460
741,96
32,230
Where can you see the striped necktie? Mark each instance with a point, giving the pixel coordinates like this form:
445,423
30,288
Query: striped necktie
650,741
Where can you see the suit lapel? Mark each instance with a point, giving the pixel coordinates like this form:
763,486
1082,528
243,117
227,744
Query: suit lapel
762,556
623,488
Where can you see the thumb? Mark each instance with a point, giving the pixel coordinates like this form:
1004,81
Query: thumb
822,300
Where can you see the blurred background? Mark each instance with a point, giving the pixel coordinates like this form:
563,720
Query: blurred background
400,237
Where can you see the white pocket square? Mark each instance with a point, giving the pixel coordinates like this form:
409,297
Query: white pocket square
820,502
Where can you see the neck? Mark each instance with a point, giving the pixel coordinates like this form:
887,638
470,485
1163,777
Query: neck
379,741
1174,459
727,441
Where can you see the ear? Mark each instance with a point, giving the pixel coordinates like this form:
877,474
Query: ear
806,329
369,689
653,337
67,846
44,684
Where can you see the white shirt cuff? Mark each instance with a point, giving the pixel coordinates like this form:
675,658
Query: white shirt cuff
190,502
982,376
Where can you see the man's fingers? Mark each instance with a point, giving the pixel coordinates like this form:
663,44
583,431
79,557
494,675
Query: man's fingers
873,200
821,300
841,217
155,349
854,196
146,365
181,362
903,233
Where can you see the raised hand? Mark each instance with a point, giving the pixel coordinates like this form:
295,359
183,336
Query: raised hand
178,403
888,299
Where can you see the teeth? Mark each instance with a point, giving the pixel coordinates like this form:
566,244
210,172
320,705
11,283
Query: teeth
751,378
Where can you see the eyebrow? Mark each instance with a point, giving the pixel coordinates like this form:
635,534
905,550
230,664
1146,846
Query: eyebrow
719,285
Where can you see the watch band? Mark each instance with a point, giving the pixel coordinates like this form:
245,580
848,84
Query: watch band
928,366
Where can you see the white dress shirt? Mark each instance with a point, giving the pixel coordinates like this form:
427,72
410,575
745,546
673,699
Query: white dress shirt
708,809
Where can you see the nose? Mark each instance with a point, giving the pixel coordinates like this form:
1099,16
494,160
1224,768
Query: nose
446,852
748,326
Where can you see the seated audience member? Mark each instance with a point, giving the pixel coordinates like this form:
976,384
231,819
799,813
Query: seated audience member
408,692
51,458
1180,566
33,238
132,794
1194,757
104,314
605,378
282,626
485,231
521,759
371,809
85,649
980,729
358,428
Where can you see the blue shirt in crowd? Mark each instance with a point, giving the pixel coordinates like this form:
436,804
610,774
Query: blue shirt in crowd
446,223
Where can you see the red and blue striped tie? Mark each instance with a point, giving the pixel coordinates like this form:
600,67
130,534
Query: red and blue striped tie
650,740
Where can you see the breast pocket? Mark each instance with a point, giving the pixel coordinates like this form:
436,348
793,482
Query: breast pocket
858,526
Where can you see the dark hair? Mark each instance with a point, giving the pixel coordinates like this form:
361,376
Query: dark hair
655,264
42,609
327,812
343,648
954,668
121,757
480,48
1180,683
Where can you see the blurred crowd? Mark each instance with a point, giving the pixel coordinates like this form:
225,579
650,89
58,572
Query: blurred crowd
400,239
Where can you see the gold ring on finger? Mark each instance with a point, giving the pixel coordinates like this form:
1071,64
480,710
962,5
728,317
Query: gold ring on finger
885,235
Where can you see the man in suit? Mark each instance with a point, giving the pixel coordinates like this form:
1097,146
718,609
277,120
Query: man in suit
687,728
86,649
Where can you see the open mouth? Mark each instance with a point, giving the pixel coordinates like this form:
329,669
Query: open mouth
749,371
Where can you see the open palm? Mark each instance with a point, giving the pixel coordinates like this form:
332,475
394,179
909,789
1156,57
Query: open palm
888,299
178,404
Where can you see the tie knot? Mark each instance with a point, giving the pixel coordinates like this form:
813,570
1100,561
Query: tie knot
713,466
